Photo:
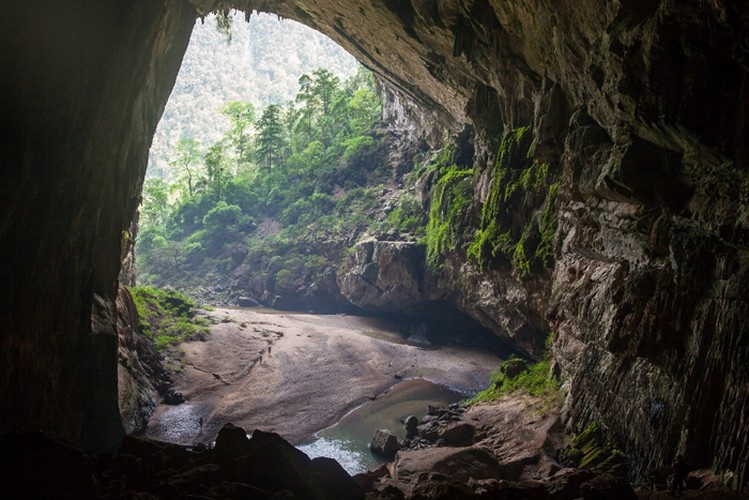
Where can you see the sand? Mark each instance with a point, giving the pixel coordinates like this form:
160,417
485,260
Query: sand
296,374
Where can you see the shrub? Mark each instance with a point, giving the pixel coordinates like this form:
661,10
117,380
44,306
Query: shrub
536,381
167,316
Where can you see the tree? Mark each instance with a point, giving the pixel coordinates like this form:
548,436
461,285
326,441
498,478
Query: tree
325,87
186,156
155,204
307,98
271,141
216,168
242,116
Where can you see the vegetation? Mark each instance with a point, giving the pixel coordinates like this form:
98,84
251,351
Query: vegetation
592,449
261,64
451,195
534,379
167,316
520,186
271,193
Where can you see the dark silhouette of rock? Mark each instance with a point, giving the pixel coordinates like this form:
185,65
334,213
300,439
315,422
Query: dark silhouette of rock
566,483
231,441
36,465
172,397
384,443
411,425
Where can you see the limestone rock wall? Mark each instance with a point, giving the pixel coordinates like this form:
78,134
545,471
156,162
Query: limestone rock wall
83,85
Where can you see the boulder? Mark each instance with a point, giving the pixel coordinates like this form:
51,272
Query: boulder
460,464
458,435
270,463
231,440
384,443
428,431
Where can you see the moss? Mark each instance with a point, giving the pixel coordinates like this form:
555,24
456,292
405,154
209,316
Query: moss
451,195
518,218
167,316
536,381
592,449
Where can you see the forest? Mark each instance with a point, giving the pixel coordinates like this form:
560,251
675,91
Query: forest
273,196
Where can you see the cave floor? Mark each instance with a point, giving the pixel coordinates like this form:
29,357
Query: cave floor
295,374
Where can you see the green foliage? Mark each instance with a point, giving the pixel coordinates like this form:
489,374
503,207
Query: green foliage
592,449
518,218
301,167
536,381
167,316
224,23
452,193
407,218
271,141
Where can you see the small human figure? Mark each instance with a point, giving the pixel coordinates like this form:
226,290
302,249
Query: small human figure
680,471
200,422
269,350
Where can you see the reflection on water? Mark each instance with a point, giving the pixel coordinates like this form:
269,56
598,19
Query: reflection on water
348,440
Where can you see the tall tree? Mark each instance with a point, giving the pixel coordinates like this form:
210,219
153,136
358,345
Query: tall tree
271,140
308,109
216,168
186,157
242,116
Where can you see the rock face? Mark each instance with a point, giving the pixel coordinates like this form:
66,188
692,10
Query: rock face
139,369
83,88
386,277
638,109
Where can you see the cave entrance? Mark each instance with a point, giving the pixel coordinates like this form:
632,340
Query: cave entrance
232,218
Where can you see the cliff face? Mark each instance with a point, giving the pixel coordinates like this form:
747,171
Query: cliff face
83,86
638,109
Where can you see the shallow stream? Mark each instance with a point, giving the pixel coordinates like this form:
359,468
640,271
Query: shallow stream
347,441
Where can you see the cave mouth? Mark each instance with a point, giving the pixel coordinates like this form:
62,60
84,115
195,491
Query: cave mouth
432,325
259,63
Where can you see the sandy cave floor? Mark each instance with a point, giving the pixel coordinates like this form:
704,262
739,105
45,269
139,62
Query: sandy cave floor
296,374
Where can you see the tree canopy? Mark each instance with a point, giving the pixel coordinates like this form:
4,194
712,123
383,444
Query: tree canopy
297,168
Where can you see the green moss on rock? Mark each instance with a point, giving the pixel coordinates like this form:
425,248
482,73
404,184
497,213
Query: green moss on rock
518,218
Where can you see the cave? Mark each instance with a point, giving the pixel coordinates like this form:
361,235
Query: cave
640,107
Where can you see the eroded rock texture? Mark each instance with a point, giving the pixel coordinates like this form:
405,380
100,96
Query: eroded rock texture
83,85
639,108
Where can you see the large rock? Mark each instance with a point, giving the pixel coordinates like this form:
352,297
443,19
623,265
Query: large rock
460,434
460,464
384,443
386,276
